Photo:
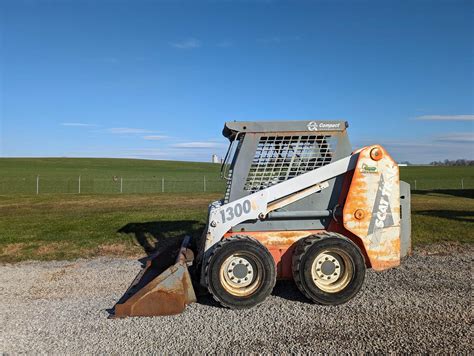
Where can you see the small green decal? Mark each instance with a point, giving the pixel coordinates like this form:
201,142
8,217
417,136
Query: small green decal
368,169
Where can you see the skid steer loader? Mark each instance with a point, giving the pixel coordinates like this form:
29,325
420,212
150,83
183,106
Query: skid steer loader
299,204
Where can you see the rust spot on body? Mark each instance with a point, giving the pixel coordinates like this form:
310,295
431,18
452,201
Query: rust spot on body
382,244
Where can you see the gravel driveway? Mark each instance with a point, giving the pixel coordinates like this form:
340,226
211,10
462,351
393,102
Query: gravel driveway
61,307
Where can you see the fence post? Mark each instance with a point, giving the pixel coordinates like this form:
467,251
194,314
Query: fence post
79,189
204,183
462,183
121,185
415,184
37,184
162,185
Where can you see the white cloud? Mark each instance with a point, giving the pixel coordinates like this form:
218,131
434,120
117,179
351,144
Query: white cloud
446,117
154,137
197,144
128,130
77,124
461,137
190,43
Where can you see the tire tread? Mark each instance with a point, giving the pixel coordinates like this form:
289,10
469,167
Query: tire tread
215,249
301,249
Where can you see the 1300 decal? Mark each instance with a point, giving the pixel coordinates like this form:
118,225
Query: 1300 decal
236,210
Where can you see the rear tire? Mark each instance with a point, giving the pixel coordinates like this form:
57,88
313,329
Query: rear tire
240,272
328,268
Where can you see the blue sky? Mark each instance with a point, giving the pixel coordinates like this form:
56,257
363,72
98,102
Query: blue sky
157,79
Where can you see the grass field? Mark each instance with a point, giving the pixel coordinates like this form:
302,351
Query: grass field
430,178
105,175
104,168
71,226
67,226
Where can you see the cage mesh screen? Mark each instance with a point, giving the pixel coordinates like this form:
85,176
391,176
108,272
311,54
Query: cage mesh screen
279,158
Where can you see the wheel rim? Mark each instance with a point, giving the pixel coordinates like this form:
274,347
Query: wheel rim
332,270
241,274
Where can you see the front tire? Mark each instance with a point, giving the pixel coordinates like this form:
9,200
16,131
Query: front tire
240,272
328,268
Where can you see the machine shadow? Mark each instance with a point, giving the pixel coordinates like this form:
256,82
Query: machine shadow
456,215
155,236
463,193
287,289
284,289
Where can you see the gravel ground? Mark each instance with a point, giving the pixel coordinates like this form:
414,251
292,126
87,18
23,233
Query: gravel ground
61,307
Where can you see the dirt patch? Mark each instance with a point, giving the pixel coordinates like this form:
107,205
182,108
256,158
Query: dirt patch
51,248
12,249
119,250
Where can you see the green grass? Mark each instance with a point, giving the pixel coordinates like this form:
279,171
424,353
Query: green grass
60,175
104,168
442,216
71,226
67,226
104,175
430,178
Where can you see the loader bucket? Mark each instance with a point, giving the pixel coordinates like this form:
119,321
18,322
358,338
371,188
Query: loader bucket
163,287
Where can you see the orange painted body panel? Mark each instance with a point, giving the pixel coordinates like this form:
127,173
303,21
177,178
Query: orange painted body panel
281,245
372,207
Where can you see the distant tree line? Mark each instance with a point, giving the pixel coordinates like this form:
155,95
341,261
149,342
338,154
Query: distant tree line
457,162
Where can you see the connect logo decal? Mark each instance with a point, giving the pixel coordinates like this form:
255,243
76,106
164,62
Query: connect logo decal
313,126
368,169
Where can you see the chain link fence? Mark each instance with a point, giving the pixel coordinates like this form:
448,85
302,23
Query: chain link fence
118,185
441,184
121,185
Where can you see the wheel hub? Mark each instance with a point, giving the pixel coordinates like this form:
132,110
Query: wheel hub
327,268
239,271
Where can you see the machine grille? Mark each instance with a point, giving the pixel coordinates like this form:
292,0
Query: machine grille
279,158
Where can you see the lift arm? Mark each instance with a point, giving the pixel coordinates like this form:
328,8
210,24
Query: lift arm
222,217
